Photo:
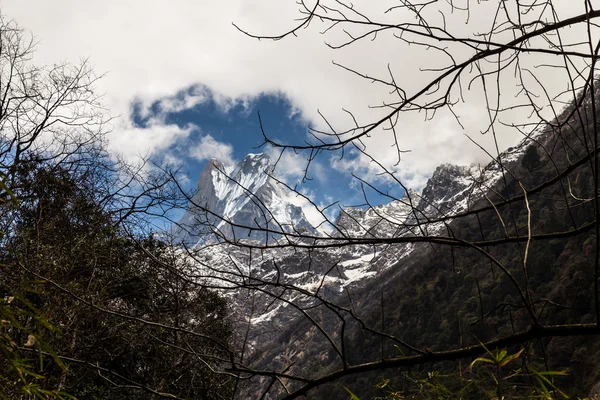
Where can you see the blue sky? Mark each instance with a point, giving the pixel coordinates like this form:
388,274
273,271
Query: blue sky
236,125
162,74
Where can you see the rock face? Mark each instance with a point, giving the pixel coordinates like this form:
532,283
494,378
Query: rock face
423,284
244,195
385,220
227,191
450,190
448,186
237,202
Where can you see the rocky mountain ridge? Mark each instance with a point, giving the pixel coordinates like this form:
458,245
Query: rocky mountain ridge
239,201
376,257
332,271
450,190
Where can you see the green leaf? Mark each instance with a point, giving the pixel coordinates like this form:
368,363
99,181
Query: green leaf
352,395
383,383
508,359
481,359
543,381
553,373
500,356
400,350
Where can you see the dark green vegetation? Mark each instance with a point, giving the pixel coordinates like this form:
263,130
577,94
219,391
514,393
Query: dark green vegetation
500,300
95,312
530,259
500,297
92,305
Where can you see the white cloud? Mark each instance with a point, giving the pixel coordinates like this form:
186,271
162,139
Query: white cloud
312,211
184,101
154,50
208,148
134,142
291,167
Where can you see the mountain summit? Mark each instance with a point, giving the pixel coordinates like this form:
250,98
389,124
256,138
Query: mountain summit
240,201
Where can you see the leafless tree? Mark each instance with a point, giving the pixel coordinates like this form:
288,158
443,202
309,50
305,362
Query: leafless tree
537,195
72,210
538,199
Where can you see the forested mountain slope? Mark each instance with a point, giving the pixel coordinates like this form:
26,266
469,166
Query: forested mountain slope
482,254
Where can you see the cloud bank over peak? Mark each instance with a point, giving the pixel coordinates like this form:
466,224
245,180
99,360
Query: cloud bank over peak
167,58
208,148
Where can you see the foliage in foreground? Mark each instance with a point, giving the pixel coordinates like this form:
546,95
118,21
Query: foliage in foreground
88,309
497,375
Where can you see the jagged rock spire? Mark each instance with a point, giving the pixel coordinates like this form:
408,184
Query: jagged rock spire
230,197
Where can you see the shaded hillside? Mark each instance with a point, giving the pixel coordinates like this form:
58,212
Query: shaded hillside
523,252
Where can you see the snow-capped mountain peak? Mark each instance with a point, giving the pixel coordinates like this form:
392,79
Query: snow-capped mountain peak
236,201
